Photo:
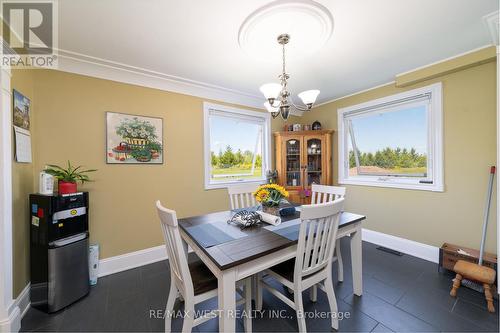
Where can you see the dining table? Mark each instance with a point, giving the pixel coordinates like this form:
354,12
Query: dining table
233,253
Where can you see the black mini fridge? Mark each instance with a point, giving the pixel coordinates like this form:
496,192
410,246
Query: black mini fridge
59,247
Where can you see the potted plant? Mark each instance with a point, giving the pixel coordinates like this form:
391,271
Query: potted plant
68,177
270,196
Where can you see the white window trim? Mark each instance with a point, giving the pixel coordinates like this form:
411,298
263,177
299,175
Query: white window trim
435,142
266,147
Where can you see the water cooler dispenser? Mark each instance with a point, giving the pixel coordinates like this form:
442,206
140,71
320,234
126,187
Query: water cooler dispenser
59,247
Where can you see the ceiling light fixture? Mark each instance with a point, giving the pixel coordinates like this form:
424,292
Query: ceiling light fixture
278,98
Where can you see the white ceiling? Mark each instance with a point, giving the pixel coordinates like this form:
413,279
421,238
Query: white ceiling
372,41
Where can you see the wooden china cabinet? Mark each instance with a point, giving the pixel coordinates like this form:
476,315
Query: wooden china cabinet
302,159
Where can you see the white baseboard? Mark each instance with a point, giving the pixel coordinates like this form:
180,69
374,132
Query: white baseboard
13,322
23,300
131,260
416,249
16,311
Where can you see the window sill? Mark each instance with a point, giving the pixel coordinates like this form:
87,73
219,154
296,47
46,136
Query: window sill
397,185
214,186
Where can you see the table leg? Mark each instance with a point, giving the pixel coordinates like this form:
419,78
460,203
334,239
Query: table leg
227,300
357,261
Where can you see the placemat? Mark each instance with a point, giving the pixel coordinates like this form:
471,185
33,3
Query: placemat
208,235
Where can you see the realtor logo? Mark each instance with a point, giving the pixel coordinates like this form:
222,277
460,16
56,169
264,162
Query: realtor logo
29,34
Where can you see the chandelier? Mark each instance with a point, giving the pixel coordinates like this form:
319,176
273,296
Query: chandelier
278,98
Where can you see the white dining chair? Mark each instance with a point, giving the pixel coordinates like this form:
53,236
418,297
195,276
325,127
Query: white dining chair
241,196
321,194
313,263
194,282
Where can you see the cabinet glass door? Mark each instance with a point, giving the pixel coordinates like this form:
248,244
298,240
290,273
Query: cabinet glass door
292,160
314,153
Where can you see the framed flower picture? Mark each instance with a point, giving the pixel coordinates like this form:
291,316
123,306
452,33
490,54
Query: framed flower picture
133,139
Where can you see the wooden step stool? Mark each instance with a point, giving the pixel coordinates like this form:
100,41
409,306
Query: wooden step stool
471,271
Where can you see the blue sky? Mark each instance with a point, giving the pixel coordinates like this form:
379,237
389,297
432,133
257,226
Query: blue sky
237,134
405,129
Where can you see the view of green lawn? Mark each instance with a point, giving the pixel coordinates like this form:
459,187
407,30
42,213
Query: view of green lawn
375,170
235,172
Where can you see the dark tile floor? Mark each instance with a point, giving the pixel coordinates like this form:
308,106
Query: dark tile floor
401,294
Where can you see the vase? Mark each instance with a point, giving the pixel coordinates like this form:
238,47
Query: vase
273,210
66,187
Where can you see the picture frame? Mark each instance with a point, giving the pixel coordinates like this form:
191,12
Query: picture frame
134,139
21,110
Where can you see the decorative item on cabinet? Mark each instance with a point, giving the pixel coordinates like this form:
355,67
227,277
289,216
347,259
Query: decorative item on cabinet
307,127
297,127
316,126
302,159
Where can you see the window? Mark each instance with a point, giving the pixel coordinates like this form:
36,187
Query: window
237,146
394,141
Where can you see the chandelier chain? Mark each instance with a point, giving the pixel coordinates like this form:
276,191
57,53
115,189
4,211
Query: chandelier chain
284,70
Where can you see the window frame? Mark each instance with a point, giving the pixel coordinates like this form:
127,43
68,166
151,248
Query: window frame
434,142
266,146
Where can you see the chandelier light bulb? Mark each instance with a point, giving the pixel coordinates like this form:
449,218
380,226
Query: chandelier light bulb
272,108
308,97
271,91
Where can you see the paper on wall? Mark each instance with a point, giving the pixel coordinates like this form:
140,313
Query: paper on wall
23,145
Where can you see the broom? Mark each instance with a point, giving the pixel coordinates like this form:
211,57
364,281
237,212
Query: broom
465,282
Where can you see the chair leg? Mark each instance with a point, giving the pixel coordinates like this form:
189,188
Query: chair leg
489,297
248,304
332,301
340,263
169,309
456,284
299,308
187,325
313,294
258,293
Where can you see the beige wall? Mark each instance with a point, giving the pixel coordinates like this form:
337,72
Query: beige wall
22,186
70,121
455,216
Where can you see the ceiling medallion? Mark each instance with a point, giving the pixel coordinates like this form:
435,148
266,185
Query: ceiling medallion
310,24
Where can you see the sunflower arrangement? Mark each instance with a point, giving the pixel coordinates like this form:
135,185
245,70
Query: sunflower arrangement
270,194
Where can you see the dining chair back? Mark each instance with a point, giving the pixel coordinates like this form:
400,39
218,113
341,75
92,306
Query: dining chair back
175,251
312,265
241,196
318,232
326,193
203,287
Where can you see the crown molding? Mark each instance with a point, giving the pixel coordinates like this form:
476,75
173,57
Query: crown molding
77,63
492,23
404,73
445,59
355,93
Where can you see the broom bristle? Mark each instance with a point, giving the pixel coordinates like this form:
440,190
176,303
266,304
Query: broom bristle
472,285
